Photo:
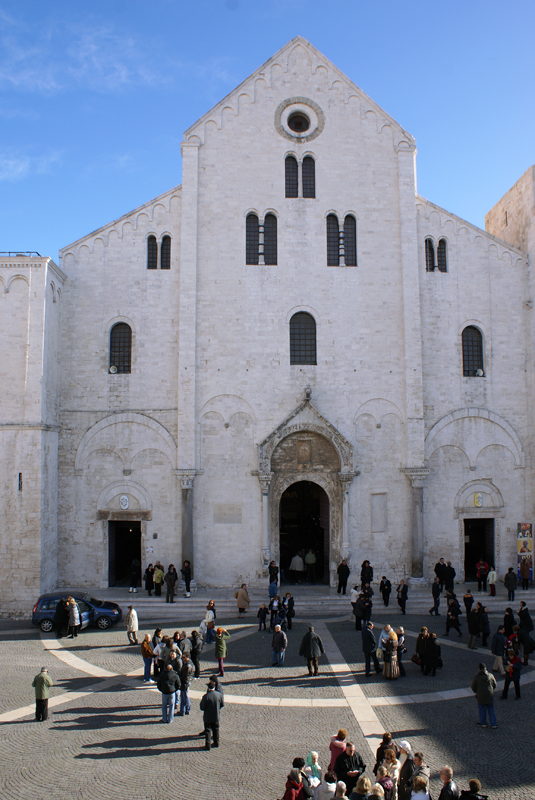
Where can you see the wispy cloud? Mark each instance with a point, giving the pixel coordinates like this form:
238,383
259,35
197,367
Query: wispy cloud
15,166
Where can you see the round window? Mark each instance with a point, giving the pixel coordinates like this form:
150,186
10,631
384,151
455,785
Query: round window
299,123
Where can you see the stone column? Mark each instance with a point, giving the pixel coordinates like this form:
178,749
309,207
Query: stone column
265,480
417,475
345,480
186,478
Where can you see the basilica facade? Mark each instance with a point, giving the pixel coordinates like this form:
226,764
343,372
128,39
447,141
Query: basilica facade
290,350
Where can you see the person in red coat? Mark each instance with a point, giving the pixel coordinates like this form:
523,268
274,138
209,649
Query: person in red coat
294,786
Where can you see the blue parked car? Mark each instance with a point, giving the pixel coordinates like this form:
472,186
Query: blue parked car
92,611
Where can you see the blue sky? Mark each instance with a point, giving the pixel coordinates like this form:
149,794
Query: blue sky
94,96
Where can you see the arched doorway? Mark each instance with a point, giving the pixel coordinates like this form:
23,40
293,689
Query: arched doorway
304,525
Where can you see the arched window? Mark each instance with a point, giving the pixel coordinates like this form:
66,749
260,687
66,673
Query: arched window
442,260
333,248
152,253
350,241
472,352
429,255
165,253
270,239
302,339
251,239
291,176
309,177
121,347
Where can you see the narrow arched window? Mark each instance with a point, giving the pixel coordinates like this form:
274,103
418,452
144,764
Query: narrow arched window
472,352
291,176
333,248
165,258
350,241
302,339
429,255
309,177
120,347
152,253
442,259
270,239
251,239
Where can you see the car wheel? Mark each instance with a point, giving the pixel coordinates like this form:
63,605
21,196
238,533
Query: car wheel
46,625
103,623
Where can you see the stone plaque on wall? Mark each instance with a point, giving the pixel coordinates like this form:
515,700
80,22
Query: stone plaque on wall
378,513
227,513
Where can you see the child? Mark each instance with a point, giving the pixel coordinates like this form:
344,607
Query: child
262,614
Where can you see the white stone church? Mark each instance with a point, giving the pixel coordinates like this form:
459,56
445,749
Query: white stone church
291,350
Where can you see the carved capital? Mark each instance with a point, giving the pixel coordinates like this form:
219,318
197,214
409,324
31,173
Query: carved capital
186,477
265,480
416,475
346,478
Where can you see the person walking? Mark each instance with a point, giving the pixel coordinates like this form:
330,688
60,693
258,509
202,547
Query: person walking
385,587
170,579
42,683
147,653
510,582
186,575
473,629
221,649
74,617
524,573
158,579
242,600
433,660
484,626
482,569
421,647
186,675
440,566
279,643
369,647
168,684
297,568
498,650
492,577
435,591
343,572
402,592
132,625
135,572
211,704
468,601
311,648
512,673
452,617
310,563
148,577
61,617
483,685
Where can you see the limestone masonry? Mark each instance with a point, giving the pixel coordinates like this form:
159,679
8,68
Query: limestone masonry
291,350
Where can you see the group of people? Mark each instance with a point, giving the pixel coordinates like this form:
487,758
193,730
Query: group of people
67,615
362,598
398,774
389,649
156,577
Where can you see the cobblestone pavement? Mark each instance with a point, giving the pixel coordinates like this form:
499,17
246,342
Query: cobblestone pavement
110,742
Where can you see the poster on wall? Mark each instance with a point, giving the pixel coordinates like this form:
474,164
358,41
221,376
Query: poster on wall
524,547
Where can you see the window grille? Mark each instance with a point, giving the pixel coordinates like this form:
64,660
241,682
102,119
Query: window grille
429,255
251,239
472,351
302,339
165,262
121,347
270,239
291,176
442,261
152,253
309,177
350,241
333,248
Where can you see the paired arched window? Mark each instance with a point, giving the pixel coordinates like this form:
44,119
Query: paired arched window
472,352
341,244
442,258
308,176
165,253
120,348
302,339
261,240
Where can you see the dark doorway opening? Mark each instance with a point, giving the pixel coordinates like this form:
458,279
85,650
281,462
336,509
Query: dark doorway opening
124,546
478,543
304,525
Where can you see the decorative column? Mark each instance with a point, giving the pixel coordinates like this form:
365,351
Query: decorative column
417,475
186,477
345,480
265,480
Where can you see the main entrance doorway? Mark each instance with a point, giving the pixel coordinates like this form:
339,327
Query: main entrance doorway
124,547
478,543
304,525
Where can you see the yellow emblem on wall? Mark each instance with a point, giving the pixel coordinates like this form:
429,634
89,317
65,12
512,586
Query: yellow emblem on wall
478,499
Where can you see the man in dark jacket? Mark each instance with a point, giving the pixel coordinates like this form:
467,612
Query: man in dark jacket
61,617
498,649
279,643
512,673
402,593
349,766
439,572
369,646
473,629
483,685
385,587
449,577
524,618
343,574
435,591
450,790
186,675
311,648
421,770
359,610
211,704
168,683
170,579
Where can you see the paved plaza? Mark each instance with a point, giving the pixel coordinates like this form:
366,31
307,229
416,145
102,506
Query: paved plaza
104,738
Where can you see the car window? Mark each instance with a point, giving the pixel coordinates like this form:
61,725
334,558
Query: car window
48,605
92,600
83,606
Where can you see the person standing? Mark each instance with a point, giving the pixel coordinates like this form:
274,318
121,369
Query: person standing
421,770
221,649
484,626
147,653
41,684
366,574
385,587
369,647
450,790
407,770
492,577
402,595
449,577
483,686
440,566
261,616
61,617
158,579
390,655
468,601
524,573
508,621
273,572
311,648
433,659
510,581
74,617
242,600
482,571
435,591
211,705
337,745
148,577
452,617
359,611
297,568
132,625
310,563
289,604
524,618
195,651
343,575
170,582
512,673
168,684
279,643
473,629
498,650
186,674
401,649
186,574
349,766
135,572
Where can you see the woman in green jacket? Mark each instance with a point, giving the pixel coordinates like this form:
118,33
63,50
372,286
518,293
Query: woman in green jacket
221,648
